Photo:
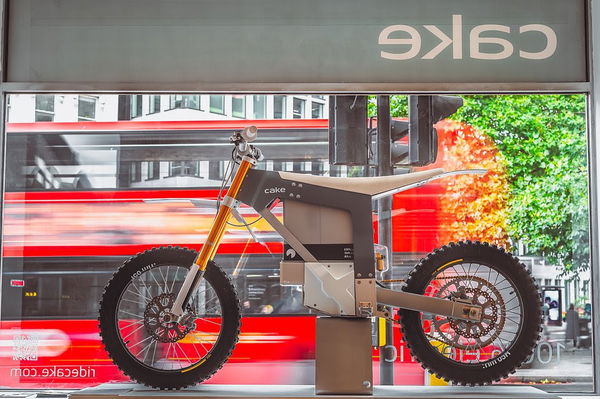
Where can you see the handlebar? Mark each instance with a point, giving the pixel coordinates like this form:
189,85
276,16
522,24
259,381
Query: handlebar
241,140
249,133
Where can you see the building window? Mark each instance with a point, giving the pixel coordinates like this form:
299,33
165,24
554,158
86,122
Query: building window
319,97
215,170
184,168
238,106
154,104
260,107
44,108
179,101
298,108
217,104
317,110
279,106
135,172
86,109
153,170
136,106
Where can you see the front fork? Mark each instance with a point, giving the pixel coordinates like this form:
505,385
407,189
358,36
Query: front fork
209,249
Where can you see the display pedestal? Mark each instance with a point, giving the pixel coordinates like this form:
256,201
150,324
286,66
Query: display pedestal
207,391
344,363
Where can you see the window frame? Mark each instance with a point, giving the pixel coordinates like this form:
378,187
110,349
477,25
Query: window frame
153,170
137,106
38,110
321,108
152,104
135,171
255,102
302,113
192,163
83,98
185,104
283,106
238,114
215,110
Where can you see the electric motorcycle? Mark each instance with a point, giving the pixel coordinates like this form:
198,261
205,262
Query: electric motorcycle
470,312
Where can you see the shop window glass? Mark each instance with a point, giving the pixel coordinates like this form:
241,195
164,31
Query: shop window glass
75,208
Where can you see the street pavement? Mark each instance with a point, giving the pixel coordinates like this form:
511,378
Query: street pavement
556,365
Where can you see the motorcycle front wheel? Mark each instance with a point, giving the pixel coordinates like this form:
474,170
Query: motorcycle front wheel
152,350
473,352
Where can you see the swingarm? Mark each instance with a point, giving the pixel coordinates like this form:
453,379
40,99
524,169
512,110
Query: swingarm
456,308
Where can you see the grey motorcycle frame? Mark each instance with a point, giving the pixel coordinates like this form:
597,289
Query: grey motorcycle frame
260,189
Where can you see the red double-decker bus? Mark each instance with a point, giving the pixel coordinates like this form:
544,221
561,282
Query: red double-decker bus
75,207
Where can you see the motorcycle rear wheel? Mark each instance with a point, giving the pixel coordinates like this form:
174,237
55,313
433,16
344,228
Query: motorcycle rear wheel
473,353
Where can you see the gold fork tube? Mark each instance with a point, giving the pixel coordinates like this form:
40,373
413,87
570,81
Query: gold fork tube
215,235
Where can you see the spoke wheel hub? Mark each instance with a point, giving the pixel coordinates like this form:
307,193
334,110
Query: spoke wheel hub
489,311
484,294
156,320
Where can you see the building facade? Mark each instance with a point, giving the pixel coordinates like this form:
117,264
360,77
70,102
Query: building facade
163,107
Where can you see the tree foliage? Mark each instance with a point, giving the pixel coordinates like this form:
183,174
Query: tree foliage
543,141
476,205
398,106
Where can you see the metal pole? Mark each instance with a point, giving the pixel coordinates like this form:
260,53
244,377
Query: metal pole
3,121
384,168
593,112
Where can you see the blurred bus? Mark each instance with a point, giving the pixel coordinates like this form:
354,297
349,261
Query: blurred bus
74,209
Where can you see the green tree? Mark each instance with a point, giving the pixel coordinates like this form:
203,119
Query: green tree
398,106
543,141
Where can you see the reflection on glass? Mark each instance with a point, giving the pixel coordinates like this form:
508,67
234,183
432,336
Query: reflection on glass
80,158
